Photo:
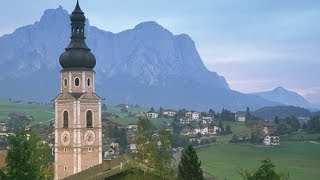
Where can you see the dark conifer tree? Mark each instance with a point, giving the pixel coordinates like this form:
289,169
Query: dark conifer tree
190,166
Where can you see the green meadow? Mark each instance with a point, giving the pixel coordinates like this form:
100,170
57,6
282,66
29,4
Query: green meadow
41,113
124,118
156,122
299,157
299,154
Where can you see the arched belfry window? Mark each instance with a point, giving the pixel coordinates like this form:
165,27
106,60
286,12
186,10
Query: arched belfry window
89,119
65,119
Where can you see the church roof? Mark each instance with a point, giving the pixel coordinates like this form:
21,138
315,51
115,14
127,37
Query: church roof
108,169
77,54
78,96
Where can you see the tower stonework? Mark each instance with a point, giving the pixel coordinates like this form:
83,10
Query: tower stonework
78,136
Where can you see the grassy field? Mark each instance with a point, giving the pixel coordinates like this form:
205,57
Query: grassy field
301,136
156,122
238,128
44,113
125,120
40,112
300,158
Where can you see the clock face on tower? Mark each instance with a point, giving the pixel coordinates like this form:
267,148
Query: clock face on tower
65,138
89,137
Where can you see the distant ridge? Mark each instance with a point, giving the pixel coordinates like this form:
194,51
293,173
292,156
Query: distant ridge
269,113
286,97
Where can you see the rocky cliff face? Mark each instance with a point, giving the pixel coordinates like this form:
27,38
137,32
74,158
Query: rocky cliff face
146,65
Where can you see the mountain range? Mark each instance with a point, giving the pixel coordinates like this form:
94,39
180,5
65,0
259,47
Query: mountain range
286,97
146,65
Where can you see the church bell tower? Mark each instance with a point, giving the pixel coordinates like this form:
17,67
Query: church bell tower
78,137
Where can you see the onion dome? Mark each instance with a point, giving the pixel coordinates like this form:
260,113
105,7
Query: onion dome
77,14
77,54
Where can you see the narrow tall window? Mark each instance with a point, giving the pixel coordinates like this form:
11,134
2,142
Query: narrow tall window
89,119
77,82
65,82
89,82
65,119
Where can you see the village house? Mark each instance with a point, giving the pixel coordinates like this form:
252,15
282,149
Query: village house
271,140
141,114
51,146
169,112
110,153
214,130
133,127
206,119
111,149
203,130
269,128
152,115
19,115
3,141
195,138
192,115
126,106
131,138
3,127
186,132
132,146
184,121
240,116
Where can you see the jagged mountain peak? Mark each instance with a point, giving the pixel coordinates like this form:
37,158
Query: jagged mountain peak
146,65
52,16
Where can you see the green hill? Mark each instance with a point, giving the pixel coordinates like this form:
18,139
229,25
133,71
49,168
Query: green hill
269,113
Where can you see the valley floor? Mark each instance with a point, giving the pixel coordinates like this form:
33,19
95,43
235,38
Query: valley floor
300,158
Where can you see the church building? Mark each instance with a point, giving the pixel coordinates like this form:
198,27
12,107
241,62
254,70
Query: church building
78,136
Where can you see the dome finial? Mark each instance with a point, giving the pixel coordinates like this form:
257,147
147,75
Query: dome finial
77,9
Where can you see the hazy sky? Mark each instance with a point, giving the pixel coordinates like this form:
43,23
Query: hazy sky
255,45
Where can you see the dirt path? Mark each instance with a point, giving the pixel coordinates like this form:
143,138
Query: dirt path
46,121
314,142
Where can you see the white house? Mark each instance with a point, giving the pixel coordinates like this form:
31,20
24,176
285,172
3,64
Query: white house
169,112
133,127
204,122
133,147
152,115
186,132
109,152
184,121
202,130
271,140
192,115
240,116
207,118
214,130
